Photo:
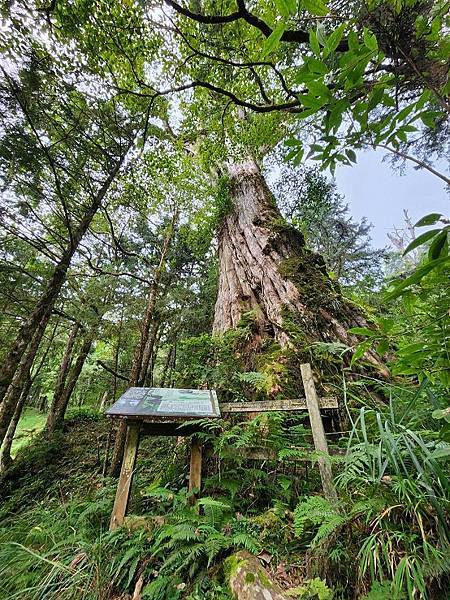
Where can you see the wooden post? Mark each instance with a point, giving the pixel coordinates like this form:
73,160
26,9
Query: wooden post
320,442
126,475
195,473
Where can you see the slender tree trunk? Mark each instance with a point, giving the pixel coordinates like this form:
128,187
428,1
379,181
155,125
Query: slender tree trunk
47,301
173,364
265,268
148,352
117,354
15,388
5,452
167,365
42,408
56,416
62,375
136,367
151,372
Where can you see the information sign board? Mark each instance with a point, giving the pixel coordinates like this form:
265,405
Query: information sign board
166,402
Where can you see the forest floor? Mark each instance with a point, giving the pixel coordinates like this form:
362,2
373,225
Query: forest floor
69,465
30,424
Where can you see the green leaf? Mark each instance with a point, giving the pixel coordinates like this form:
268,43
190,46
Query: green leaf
286,8
315,7
306,113
321,34
319,89
439,245
314,42
353,42
333,40
298,157
370,41
441,413
440,453
430,219
273,40
416,277
351,154
310,101
317,66
360,350
421,240
363,331
429,118
383,347
292,142
375,97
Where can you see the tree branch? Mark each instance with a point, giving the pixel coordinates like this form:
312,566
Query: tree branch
110,370
290,35
418,162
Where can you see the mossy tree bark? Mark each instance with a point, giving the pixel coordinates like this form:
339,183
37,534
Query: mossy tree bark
14,391
266,268
248,580
5,451
62,374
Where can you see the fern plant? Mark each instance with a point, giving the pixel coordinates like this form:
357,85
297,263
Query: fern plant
321,514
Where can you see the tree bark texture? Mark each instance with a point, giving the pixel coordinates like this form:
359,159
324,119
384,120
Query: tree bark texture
265,268
14,391
47,301
148,352
5,452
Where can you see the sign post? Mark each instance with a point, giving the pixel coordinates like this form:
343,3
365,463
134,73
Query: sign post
159,411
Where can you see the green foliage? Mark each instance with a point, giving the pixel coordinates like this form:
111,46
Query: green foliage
437,258
316,510
394,500
311,203
84,81
312,589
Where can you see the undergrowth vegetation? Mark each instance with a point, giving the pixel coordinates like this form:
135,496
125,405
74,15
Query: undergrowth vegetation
387,537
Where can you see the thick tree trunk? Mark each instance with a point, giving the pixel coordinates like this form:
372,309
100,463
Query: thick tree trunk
15,388
5,451
56,415
265,268
47,301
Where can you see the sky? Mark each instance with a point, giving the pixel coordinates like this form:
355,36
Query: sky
373,189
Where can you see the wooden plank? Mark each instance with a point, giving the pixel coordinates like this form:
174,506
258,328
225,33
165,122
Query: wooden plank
126,476
195,472
320,441
275,405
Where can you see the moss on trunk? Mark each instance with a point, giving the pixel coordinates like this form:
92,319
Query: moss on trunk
270,278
